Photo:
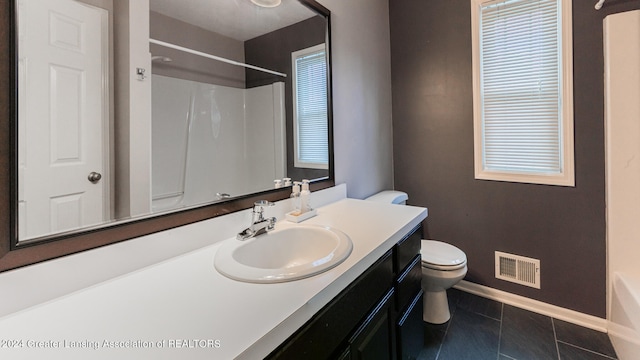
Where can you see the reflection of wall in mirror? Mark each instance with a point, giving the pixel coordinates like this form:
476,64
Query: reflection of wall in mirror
132,110
273,51
190,67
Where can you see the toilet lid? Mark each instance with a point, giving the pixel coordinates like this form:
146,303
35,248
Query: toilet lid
389,197
442,254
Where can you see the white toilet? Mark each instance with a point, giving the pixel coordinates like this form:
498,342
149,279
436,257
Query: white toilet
443,265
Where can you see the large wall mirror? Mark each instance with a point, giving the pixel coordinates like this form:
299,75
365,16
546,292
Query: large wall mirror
128,117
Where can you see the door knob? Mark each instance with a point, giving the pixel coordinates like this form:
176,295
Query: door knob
94,177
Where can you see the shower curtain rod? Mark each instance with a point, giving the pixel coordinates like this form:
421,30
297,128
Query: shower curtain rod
218,58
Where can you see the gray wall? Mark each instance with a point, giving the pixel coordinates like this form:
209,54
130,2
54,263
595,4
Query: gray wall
433,151
361,95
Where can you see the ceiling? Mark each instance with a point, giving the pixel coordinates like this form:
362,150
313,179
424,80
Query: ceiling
237,19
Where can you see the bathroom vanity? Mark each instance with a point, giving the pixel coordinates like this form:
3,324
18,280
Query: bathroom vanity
378,316
183,308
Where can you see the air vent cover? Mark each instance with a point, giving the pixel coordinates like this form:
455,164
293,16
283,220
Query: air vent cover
518,269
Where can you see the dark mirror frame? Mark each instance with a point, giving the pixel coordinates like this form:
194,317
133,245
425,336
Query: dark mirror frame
14,255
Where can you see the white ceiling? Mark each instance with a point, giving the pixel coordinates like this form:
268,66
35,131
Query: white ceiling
237,19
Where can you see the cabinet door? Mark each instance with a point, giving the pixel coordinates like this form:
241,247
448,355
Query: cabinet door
375,338
410,330
323,334
345,355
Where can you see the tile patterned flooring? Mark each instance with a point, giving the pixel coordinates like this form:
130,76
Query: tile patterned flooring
486,329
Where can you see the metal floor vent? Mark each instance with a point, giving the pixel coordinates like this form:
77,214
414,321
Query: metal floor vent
518,269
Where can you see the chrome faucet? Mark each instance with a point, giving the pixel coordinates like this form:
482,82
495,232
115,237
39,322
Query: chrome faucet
259,225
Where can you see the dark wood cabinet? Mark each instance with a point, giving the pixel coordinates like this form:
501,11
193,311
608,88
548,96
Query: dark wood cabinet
378,316
410,330
374,339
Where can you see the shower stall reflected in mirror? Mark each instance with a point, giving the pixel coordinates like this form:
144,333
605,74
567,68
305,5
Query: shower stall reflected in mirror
210,142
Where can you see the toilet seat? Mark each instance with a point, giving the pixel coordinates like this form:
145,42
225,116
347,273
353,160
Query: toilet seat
438,255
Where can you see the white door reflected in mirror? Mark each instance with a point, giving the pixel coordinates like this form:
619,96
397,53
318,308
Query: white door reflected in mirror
61,123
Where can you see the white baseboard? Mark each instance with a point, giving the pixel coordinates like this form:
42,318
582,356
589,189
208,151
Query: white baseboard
572,316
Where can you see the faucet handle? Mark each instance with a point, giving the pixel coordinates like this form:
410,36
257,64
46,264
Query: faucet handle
272,223
258,209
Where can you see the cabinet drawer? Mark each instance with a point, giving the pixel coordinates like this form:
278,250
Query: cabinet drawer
409,283
410,330
324,333
406,249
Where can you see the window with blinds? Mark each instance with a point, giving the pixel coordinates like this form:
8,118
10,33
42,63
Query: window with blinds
310,126
523,98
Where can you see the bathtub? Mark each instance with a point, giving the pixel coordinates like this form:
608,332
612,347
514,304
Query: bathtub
624,321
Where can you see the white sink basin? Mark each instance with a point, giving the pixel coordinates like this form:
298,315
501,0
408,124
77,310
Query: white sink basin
284,254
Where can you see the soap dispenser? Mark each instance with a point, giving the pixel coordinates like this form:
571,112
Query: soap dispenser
301,203
305,197
295,197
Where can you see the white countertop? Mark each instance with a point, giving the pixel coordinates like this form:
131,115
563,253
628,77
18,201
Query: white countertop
183,308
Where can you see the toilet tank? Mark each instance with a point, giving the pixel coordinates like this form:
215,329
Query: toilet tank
390,197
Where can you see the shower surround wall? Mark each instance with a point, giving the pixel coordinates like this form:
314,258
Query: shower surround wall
622,85
210,139
210,135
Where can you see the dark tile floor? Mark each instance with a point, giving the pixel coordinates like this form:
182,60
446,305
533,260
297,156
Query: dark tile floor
485,329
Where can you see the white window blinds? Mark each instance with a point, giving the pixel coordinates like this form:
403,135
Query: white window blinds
310,100
521,88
